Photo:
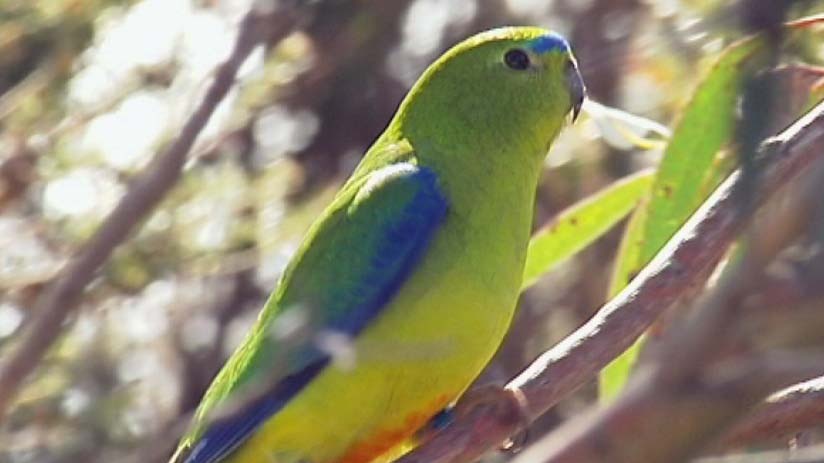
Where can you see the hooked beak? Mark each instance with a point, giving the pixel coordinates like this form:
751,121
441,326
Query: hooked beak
577,90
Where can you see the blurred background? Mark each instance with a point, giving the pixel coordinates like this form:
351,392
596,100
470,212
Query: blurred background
90,90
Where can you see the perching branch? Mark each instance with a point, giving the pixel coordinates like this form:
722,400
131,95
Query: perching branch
698,386
147,190
684,263
714,368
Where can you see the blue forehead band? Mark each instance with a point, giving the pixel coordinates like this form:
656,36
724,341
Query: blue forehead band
549,42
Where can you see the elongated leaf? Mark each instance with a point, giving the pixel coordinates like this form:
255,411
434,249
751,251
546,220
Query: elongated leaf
706,125
614,376
581,224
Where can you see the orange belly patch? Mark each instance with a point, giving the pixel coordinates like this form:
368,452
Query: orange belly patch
383,440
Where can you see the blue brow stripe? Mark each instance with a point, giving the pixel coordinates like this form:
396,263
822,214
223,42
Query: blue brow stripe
549,42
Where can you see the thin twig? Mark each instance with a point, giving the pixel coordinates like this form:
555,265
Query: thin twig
794,409
814,454
147,190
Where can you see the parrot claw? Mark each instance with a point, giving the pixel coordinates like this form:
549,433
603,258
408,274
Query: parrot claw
438,422
508,404
504,403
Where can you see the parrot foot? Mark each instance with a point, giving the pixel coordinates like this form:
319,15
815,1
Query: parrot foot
506,403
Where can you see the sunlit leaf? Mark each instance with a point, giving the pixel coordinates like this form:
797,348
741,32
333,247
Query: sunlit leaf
624,130
581,224
692,166
705,126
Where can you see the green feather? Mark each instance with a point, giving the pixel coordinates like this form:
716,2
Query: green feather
418,260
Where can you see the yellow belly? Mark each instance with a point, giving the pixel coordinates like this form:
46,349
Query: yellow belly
421,353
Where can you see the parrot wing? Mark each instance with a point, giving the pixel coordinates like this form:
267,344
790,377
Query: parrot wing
351,264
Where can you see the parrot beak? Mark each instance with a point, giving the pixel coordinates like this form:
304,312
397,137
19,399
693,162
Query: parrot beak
577,90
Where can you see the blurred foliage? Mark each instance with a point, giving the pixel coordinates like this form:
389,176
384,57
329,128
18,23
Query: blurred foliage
693,164
706,124
90,90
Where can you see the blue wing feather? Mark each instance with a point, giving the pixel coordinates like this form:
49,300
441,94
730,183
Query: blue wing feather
353,264
224,435
404,238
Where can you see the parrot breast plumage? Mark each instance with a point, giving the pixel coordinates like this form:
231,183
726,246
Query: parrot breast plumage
405,286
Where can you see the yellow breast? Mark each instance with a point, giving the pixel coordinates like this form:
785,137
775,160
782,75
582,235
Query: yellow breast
419,355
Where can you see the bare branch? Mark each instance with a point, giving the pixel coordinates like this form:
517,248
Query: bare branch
814,454
682,264
147,190
701,381
789,411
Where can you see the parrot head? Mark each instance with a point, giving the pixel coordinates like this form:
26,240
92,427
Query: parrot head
508,86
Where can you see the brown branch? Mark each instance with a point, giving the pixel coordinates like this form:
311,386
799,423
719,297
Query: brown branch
702,380
813,454
724,359
682,417
789,411
682,264
147,190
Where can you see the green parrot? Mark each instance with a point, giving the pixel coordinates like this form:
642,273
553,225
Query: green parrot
404,288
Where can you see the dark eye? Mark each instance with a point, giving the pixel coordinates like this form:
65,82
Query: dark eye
517,59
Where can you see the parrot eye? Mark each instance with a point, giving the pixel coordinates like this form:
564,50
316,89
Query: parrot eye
516,59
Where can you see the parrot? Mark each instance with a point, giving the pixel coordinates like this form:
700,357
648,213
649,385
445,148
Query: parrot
404,287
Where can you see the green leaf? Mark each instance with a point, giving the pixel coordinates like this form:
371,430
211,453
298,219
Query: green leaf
687,168
628,260
581,224
706,125
627,264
